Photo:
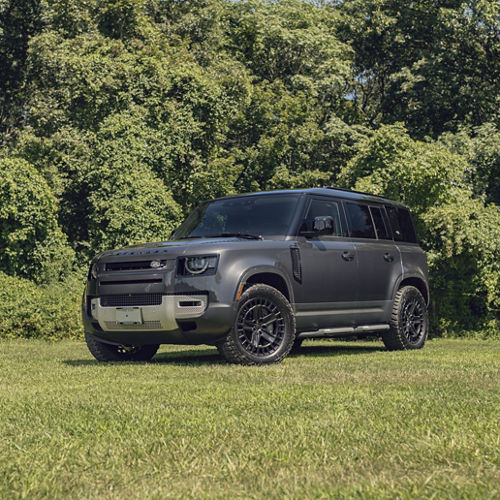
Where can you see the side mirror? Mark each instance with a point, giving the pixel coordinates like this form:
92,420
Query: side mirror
324,225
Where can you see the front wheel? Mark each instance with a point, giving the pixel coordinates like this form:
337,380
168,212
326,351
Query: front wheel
264,329
110,352
409,321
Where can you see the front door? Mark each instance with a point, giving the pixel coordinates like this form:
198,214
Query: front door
328,288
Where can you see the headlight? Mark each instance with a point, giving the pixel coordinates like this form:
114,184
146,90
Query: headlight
201,264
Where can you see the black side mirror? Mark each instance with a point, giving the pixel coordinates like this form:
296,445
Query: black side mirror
324,225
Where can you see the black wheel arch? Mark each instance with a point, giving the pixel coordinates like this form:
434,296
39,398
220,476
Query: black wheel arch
418,282
266,275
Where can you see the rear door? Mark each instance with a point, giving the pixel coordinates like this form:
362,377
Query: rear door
379,261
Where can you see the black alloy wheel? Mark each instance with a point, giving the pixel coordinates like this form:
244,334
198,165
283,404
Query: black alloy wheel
412,319
409,326
260,326
264,329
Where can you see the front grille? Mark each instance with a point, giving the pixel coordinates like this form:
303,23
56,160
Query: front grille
132,266
130,282
135,299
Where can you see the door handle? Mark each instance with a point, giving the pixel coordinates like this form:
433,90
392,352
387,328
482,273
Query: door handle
388,257
348,256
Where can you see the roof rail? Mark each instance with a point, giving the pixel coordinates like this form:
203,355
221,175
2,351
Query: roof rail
353,191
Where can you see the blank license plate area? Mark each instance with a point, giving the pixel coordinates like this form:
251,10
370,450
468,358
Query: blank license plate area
128,315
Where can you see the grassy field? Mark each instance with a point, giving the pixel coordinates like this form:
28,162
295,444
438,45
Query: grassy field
337,420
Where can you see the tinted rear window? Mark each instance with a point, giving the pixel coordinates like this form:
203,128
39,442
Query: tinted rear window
402,224
360,221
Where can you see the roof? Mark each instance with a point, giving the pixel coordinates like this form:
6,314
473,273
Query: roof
328,191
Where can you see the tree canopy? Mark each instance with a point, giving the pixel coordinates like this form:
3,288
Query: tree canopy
118,116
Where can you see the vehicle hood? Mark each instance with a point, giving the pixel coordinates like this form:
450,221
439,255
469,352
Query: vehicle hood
173,249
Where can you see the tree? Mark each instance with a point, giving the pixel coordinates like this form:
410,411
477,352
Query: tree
32,244
432,65
129,207
119,116
463,244
481,147
19,21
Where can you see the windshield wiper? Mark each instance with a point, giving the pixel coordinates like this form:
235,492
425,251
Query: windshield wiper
246,236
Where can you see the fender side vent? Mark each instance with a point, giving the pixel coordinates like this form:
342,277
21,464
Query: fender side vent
296,264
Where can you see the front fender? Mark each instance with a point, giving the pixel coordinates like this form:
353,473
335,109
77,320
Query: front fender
268,269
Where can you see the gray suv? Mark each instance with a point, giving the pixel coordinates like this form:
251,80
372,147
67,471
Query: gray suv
256,274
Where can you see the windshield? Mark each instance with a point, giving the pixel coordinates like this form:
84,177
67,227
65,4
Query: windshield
260,215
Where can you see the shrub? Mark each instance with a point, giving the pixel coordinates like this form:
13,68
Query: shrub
40,311
463,242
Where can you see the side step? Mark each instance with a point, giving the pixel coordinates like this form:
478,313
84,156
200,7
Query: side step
344,330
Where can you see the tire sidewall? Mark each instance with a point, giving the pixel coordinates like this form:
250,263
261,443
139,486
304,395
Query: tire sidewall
286,311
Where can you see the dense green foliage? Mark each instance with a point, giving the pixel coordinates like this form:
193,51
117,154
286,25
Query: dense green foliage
32,243
459,231
117,116
43,311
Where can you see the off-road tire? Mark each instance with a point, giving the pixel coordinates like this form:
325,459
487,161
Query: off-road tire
110,352
236,346
402,333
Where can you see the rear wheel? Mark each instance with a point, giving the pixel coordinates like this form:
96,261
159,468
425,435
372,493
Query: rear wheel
409,321
110,352
264,330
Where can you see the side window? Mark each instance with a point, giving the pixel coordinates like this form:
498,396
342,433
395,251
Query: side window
402,224
378,220
360,220
319,208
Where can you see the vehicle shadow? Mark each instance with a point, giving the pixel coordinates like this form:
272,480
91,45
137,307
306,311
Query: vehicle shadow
336,350
199,357
210,356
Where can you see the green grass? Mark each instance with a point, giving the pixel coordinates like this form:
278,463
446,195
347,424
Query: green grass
338,420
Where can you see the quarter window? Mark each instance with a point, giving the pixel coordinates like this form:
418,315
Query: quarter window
402,224
360,221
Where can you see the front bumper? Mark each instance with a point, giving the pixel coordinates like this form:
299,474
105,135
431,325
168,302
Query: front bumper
168,323
152,318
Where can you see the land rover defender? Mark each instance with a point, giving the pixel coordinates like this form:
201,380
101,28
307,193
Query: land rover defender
255,274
